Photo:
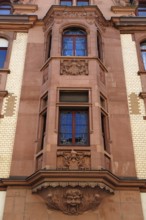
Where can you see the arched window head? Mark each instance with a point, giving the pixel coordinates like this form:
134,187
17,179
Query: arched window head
74,42
99,46
5,8
143,53
3,51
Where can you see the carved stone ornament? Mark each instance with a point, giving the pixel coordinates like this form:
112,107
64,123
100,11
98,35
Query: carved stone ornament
73,201
74,160
123,3
74,67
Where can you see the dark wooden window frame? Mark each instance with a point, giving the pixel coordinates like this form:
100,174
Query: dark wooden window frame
104,124
74,37
143,50
73,112
74,106
42,121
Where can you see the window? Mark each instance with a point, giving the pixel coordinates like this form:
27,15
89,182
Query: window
5,9
73,118
66,2
73,127
104,123
49,44
82,2
74,42
99,46
43,119
143,53
3,51
141,8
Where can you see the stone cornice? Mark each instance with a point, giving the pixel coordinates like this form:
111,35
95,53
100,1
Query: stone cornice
25,7
90,13
129,24
123,10
45,178
17,22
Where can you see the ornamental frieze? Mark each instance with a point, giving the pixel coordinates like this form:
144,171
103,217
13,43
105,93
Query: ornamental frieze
74,67
73,200
73,160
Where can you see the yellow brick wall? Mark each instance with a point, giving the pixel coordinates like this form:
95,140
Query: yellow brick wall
11,103
136,105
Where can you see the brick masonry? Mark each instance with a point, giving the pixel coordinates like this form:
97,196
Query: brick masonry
136,104
11,103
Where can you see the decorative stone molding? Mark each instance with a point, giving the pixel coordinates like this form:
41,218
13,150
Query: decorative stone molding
74,67
124,3
73,200
74,160
60,14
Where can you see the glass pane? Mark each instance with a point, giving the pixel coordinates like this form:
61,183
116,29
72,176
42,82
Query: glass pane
66,3
83,3
142,12
143,45
67,46
81,128
69,96
3,53
80,46
5,9
66,128
144,58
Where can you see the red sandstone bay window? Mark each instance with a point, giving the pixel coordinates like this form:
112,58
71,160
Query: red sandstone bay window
66,2
74,42
82,2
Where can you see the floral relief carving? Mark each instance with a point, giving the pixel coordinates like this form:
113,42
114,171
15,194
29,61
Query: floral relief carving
74,201
74,160
74,67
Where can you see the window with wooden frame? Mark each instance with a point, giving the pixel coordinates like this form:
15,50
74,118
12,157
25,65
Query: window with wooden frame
99,46
104,123
3,51
74,42
49,44
143,53
66,2
141,10
42,121
82,2
73,118
5,9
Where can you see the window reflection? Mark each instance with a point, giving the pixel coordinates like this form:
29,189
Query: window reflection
74,43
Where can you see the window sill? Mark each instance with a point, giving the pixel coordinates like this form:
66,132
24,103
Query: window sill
3,93
142,95
5,71
141,72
